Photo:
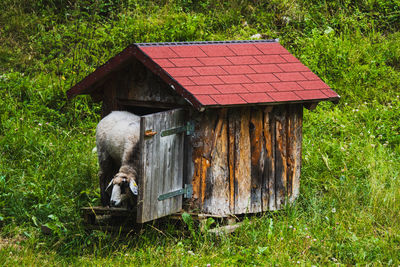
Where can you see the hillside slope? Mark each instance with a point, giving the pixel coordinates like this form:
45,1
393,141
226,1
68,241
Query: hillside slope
348,211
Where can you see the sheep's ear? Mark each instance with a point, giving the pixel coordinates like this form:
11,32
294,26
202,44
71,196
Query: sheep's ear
109,187
133,186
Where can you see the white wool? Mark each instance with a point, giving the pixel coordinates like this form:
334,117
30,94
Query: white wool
117,134
117,137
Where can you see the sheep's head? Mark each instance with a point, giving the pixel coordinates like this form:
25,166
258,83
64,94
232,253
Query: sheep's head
121,186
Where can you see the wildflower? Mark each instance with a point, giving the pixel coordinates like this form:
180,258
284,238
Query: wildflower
333,210
208,265
39,124
256,36
308,236
281,238
314,239
306,228
191,252
290,226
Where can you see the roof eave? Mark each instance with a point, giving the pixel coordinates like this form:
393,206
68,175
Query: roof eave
334,100
87,85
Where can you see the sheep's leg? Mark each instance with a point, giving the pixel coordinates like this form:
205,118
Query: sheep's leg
107,172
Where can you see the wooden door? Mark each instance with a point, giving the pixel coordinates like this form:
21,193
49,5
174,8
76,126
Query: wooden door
161,163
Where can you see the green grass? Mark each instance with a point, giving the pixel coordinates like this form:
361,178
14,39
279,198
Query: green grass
348,210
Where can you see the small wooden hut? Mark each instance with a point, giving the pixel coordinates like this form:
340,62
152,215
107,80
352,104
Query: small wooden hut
221,125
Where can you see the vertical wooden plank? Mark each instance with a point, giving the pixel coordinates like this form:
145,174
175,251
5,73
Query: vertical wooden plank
144,189
280,156
163,157
202,142
177,163
217,179
242,163
155,166
290,149
232,117
268,193
295,122
188,164
257,159
110,102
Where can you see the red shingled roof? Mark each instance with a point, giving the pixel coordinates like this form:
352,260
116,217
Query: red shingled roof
227,73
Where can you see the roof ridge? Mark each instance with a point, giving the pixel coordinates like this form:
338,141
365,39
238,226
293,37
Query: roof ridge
209,42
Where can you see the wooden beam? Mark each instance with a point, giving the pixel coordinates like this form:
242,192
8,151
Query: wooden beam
311,106
149,104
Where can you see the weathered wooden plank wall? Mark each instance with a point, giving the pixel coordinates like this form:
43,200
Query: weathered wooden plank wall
110,102
140,86
245,160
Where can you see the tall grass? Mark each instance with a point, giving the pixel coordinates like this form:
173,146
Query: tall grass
349,204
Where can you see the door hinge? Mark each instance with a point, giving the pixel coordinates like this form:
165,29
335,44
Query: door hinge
187,192
188,128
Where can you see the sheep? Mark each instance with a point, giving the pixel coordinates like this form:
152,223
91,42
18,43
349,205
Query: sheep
117,138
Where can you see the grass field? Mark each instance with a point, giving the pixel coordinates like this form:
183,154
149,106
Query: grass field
349,208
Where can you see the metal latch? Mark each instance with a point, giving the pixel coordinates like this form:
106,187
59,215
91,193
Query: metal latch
186,192
188,128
